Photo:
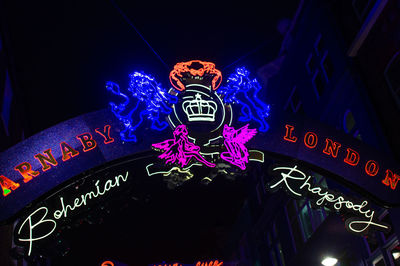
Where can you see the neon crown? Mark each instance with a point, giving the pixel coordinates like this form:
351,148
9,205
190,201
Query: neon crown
186,72
199,109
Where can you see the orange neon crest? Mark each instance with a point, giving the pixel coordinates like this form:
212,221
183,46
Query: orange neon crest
107,263
190,67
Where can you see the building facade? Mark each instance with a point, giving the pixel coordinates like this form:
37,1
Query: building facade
339,64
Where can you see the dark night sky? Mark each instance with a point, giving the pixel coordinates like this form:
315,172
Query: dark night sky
64,52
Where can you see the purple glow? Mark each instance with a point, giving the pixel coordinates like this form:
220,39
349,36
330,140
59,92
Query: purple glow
179,148
237,153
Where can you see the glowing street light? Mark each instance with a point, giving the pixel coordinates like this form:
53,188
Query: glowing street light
396,255
329,261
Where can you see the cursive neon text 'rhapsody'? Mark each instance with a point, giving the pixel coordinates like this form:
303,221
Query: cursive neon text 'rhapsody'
298,184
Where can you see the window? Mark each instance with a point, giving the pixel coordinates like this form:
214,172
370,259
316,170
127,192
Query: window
362,8
310,63
319,65
319,215
275,247
318,84
372,242
294,101
348,122
392,76
310,218
395,253
303,219
384,249
379,261
326,66
349,125
319,45
386,219
259,192
320,180
294,225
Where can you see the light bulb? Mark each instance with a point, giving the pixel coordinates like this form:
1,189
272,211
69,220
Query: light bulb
329,261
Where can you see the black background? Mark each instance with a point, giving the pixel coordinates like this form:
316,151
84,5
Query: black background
65,51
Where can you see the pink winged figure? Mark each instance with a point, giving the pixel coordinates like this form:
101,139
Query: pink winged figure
180,149
237,153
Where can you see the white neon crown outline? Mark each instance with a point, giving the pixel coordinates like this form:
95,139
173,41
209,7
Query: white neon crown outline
199,109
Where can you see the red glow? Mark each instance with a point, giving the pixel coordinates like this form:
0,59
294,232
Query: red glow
47,160
352,157
87,141
67,151
7,185
107,263
175,264
371,168
391,179
211,263
44,160
25,169
310,140
105,134
288,136
186,67
331,148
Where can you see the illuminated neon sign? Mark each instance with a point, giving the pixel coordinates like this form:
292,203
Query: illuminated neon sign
331,149
146,99
180,149
347,160
201,128
237,153
199,263
48,162
199,109
40,224
202,120
299,185
199,105
195,68
242,90
192,99
210,263
107,263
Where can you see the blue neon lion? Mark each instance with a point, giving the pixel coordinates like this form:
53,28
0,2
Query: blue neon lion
146,100
242,90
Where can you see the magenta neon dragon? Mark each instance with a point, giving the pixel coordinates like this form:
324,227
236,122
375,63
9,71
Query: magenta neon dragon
237,153
180,149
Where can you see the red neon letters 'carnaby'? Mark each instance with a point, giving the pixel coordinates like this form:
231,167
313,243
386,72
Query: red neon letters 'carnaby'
47,160
352,157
